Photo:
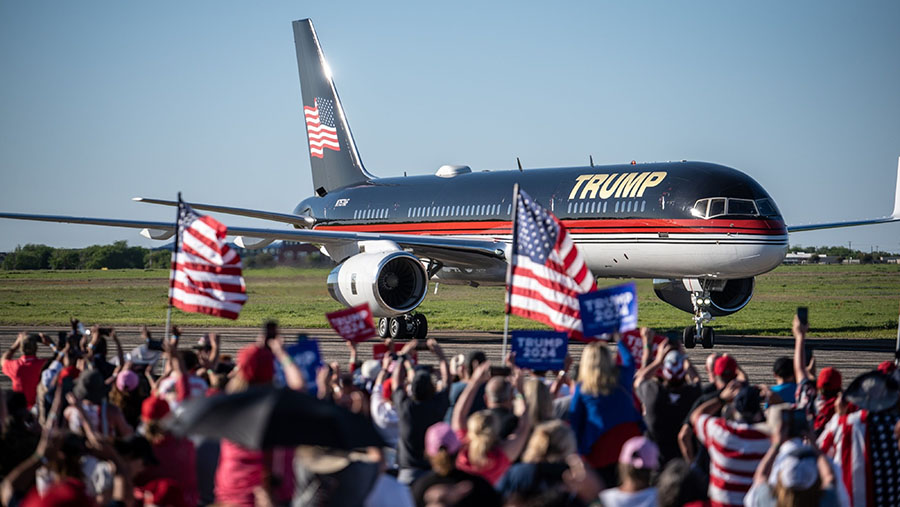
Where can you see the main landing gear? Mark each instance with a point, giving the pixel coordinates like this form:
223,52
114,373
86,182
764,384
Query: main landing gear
698,332
410,325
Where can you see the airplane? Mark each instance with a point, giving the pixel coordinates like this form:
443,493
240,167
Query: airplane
701,231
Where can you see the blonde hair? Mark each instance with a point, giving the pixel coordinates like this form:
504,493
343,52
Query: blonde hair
550,442
237,384
598,372
790,497
482,430
538,400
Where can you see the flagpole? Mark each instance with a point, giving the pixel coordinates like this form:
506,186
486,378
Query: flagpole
509,264
172,269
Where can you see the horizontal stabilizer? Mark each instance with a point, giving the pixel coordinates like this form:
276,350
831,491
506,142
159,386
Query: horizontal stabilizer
895,216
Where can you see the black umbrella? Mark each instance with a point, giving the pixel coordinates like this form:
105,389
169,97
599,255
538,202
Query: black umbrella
262,418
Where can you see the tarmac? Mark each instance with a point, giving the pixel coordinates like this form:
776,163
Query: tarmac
755,354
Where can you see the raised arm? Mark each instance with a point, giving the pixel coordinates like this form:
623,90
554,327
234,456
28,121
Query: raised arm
464,403
293,377
515,443
649,370
11,351
712,406
800,370
442,361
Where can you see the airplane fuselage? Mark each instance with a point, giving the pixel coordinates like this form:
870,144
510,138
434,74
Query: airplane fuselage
632,220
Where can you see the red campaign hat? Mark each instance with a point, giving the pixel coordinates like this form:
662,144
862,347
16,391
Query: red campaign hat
154,409
725,364
829,379
887,367
256,364
387,389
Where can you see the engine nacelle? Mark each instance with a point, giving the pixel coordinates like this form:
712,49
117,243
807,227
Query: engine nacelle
726,296
392,283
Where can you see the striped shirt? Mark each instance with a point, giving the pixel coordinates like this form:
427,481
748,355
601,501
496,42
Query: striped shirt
735,450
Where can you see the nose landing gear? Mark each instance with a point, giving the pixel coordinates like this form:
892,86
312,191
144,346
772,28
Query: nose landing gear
410,325
699,332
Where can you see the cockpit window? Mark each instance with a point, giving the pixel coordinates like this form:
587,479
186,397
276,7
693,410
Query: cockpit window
741,207
716,208
699,209
719,206
767,208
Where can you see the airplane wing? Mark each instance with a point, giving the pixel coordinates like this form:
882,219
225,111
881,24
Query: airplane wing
452,252
245,212
894,217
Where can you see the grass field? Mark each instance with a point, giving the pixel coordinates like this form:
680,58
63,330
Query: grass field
843,301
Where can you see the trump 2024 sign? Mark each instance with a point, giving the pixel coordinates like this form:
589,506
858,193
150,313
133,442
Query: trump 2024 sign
540,350
609,310
354,324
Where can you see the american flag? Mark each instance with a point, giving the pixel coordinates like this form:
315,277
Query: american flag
547,271
206,273
320,127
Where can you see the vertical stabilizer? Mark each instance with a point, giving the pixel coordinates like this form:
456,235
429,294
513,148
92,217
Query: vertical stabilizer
333,156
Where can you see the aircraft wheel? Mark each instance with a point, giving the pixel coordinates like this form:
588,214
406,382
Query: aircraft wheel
421,326
708,338
688,337
397,328
384,329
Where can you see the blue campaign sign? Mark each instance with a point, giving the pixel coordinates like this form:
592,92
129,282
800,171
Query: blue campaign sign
609,310
540,350
307,357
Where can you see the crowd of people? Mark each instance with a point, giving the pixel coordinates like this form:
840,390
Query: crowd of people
613,427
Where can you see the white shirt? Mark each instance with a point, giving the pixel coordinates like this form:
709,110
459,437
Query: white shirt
385,418
615,497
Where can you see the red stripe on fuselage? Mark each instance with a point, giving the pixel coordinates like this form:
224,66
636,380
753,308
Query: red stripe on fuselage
609,226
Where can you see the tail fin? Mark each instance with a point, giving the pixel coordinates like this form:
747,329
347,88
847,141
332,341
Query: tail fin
333,156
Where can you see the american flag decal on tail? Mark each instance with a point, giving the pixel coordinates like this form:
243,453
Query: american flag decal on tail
320,127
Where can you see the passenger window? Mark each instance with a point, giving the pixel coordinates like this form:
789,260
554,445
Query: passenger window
617,206
604,206
643,204
508,209
716,207
741,207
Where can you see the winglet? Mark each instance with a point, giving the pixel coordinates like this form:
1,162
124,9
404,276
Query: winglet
896,213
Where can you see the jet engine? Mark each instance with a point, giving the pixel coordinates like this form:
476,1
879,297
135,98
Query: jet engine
392,283
725,296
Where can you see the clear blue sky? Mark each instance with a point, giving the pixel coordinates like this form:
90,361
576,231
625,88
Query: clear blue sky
103,101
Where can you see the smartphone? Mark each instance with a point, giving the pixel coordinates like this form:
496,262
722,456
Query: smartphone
154,344
500,371
61,338
271,329
803,315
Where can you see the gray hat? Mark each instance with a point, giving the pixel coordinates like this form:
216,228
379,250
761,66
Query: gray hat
873,391
90,386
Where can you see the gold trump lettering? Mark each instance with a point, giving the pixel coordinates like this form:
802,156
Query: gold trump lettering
616,185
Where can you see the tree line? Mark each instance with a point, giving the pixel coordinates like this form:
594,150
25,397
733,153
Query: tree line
115,256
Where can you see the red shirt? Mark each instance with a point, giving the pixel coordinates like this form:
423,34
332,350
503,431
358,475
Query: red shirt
177,461
241,469
25,373
492,471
